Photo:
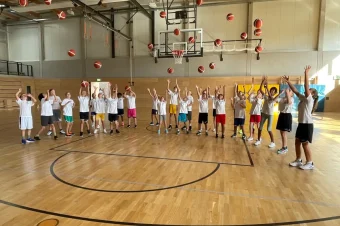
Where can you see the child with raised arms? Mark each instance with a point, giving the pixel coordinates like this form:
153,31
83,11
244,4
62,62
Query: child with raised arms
203,110
173,103
84,110
191,102
154,110
120,106
112,109
183,110
220,110
239,106
100,111
132,113
162,112
68,105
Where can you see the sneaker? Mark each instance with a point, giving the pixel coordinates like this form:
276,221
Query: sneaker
282,151
206,133
222,136
271,145
37,138
166,131
151,124
157,124
81,134
62,131
169,127
178,132
250,139
176,126
104,131
117,131
183,128
98,127
95,131
30,140
128,126
56,137
234,135
135,126
244,137
158,131
216,135
258,142
49,133
92,124
296,163
89,132
307,166
190,128
111,132
68,135
23,141
198,133
214,130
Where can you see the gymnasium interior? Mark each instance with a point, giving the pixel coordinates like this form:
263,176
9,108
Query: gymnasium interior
140,177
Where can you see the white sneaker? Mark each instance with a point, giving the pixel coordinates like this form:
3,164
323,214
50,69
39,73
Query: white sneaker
271,145
49,133
92,124
258,142
307,166
95,131
105,131
214,130
62,132
296,163
98,127
250,139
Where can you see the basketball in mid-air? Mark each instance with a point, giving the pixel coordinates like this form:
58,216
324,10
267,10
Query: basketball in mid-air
170,70
127,88
257,32
200,69
162,14
218,42
191,40
211,65
244,35
84,84
61,15
199,2
258,49
177,31
258,23
97,64
71,53
230,17
150,46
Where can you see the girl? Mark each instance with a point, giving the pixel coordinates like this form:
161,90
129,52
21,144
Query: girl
239,105
68,104
100,111
112,109
173,103
120,106
191,101
183,110
93,109
284,122
162,113
154,111
131,97
255,110
56,111
203,110
84,100
220,110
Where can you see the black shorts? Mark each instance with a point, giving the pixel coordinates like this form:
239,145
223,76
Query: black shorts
284,122
154,112
214,112
84,116
203,118
189,115
56,115
113,117
239,121
93,113
304,132
46,120
120,111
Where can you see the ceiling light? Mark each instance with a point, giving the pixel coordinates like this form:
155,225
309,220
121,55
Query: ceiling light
70,11
2,6
152,5
39,19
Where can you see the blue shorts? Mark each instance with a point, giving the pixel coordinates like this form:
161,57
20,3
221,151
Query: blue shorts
182,117
239,121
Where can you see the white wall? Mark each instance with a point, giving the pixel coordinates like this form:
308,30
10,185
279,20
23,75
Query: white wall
332,26
3,43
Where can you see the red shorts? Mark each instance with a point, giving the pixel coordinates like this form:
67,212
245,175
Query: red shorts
220,119
132,113
255,118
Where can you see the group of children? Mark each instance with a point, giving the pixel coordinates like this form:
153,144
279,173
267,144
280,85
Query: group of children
112,102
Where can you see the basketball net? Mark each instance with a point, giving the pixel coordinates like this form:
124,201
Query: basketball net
178,56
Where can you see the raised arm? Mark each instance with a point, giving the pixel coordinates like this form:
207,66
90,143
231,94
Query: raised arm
177,84
80,91
115,93
277,96
198,92
252,87
150,92
32,97
155,93
289,97
88,90
186,91
17,94
168,89
48,95
307,92
224,91
232,103
291,86
208,91
263,80
216,91
235,90
133,93
179,94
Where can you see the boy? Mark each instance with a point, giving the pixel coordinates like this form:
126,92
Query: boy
56,112
267,112
162,113
100,111
46,114
84,100
173,104
131,107
214,98
25,119
239,105
112,110
93,107
154,111
183,110
203,110
68,104
120,106
191,101
220,110
304,131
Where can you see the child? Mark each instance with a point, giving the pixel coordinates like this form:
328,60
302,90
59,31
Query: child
131,106
173,104
93,109
203,110
267,112
120,106
46,114
25,119
214,98
284,122
191,102
68,104
183,110
84,100
220,110
304,131
112,109
255,110
56,112
239,105
100,111
162,113
154,111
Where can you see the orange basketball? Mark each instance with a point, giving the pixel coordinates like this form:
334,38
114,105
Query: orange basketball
258,23
97,64
200,69
230,17
211,65
84,84
61,15
257,32
71,53
199,2
170,70
48,2
127,88
177,31
218,42
162,14
23,3
150,46
244,35
258,49
191,40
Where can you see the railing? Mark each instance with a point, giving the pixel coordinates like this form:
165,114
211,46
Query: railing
15,68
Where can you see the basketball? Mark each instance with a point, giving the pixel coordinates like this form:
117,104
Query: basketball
71,53
258,49
257,32
61,15
258,23
218,42
191,40
97,64
162,14
211,65
244,35
150,46
230,17
48,2
23,3
199,2
177,31
200,69
170,70
84,84
127,88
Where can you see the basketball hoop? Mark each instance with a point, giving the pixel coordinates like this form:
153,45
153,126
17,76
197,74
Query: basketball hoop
178,56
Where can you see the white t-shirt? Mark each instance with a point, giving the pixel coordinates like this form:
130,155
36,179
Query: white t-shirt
162,107
56,102
112,105
154,104
46,107
25,108
67,107
173,98
93,104
120,104
191,101
239,110
284,106
213,101
305,108
256,105
100,105
268,105
84,103
220,107
203,105
183,106
131,102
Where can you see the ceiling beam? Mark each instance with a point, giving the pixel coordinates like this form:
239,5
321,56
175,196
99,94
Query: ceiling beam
139,6
37,15
10,15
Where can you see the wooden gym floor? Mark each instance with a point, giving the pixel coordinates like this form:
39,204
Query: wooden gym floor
138,177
